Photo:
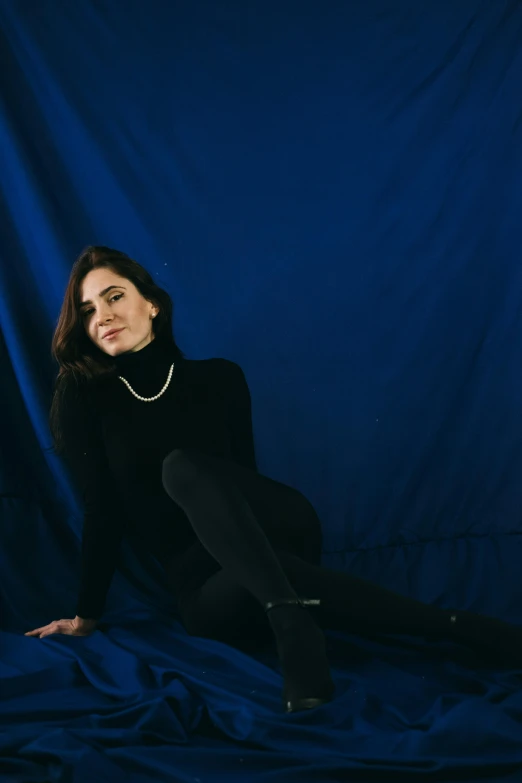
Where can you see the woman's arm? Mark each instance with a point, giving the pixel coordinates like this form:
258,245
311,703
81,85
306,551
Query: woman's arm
239,416
85,454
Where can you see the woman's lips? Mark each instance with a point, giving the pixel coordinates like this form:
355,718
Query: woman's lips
112,335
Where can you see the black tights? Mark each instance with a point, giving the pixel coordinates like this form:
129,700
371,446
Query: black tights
259,540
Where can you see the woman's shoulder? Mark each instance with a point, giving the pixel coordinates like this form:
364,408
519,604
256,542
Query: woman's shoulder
76,387
209,368
77,396
223,375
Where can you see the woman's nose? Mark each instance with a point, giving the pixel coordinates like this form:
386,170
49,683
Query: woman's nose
103,315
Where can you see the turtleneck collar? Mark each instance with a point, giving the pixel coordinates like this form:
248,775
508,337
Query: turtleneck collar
147,369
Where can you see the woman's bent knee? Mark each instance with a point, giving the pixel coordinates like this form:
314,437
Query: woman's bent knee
173,459
178,471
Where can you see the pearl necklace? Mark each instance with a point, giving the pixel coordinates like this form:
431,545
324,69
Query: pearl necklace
148,399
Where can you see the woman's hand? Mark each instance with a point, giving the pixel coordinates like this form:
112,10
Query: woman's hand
76,627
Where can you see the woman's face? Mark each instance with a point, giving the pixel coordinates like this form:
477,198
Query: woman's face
122,307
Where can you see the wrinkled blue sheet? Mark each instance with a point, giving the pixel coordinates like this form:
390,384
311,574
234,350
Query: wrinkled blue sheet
145,698
332,195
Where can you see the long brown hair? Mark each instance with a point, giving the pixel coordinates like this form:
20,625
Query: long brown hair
79,359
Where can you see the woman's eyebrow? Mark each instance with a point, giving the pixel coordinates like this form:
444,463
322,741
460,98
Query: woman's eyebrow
102,293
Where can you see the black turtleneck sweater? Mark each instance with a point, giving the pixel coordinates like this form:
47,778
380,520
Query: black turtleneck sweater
115,445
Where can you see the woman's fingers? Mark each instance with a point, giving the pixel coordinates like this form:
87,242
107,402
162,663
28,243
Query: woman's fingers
67,627
45,630
49,630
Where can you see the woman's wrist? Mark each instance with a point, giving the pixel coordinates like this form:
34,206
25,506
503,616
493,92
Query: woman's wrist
85,622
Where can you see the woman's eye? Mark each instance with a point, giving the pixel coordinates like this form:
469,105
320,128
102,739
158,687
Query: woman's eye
116,297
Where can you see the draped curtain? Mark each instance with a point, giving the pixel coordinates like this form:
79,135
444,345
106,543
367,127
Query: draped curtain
331,193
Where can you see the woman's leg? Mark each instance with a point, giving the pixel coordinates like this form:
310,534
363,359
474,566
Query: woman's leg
224,503
223,609
286,516
227,527
348,602
293,529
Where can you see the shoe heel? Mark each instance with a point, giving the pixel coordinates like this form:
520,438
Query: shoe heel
296,705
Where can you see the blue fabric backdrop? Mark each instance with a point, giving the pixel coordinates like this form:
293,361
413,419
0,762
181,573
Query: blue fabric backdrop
331,192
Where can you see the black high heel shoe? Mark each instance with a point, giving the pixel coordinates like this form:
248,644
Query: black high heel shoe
302,652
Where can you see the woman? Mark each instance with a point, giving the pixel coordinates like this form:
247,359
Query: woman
162,448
